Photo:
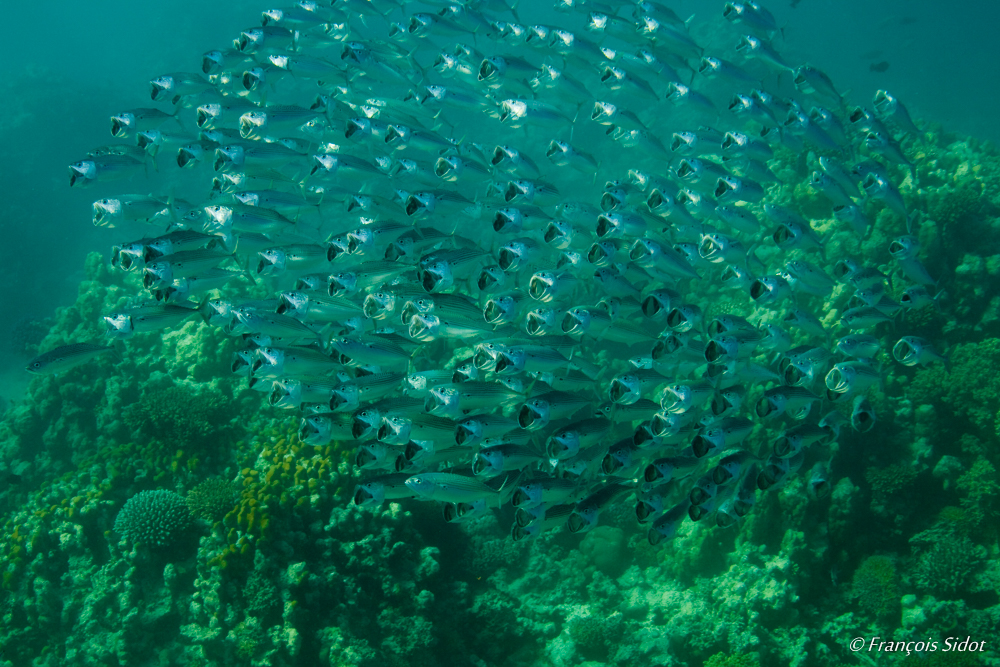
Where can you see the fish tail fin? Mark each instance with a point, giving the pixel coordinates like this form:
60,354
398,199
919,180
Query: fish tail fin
202,308
118,350
248,273
942,294
513,10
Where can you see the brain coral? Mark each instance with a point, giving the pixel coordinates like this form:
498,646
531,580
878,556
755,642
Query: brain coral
154,518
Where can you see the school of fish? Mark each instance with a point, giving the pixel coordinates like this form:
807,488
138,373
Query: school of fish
514,262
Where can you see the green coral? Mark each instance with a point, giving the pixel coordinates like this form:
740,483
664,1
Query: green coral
178,415
154,518
876,587
890,481
260,594
980,489
972,388
596,637
723,660
213,499
948,566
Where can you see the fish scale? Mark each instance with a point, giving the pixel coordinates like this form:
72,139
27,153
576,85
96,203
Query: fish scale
488,146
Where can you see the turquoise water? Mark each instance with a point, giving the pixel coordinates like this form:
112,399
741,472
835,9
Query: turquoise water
158,510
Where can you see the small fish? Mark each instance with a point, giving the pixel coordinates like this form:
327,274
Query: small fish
450,487
65,357
916,351
862,415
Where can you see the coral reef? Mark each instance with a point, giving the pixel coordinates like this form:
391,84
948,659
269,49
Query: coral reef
284,571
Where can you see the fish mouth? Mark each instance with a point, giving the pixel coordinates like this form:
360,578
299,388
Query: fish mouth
783,447
412,205
493,312
245,43
429,280
709,248
157,91
723,187
204,118
277,396
528,416
675,318
185,157
501,221
360,427
758,289
487,280
610,464
487,70
572,323
857,115
651,306
698,496
208,64
442,168
605,226
765,407
714,351
619,390
361,496
150,279
655,200
77,175
118,128
534,324
862,422
508,259
782,236
393,136
685,169
248,127
415,25
793,376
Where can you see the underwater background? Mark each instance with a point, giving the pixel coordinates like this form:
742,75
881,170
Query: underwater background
272,563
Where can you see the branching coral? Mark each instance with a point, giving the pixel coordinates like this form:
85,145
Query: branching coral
981,491
889,481
971,389
948,566
213,499
178,415
155,518
876,587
